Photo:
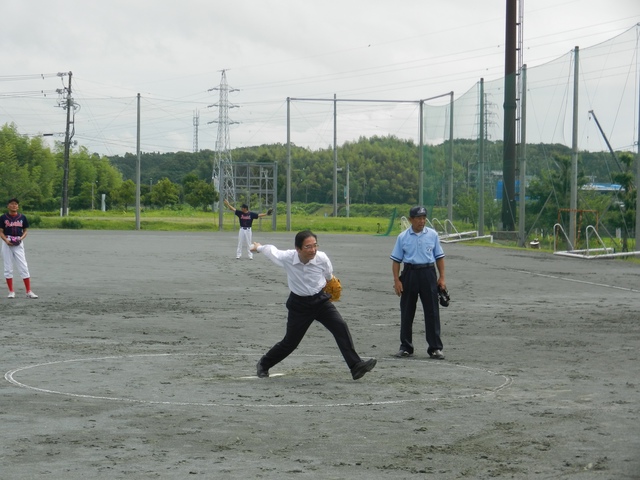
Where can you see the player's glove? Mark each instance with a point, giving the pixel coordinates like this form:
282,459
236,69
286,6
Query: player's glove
270,211
443,297
333,288
14,240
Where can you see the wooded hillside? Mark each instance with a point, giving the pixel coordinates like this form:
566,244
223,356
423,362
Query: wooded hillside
381,169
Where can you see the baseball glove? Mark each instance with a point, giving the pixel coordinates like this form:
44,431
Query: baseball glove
14,240
333,288
443,297
270,211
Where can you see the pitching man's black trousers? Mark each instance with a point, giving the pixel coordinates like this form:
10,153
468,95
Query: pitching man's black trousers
302,312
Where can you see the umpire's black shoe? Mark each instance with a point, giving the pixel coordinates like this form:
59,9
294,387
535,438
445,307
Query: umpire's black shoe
261,371
403,354
363,367
437,354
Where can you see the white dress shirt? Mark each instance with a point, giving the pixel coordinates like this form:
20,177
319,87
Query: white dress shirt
304,279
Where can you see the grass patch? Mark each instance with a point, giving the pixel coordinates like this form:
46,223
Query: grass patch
198,221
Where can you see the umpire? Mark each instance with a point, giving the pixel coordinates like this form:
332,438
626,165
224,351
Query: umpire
418,247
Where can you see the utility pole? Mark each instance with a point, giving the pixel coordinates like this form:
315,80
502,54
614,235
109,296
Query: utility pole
68,105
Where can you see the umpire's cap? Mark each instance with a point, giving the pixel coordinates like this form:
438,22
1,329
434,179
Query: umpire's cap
418,212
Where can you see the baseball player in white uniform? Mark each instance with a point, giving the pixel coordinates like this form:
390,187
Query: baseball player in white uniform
246,220
13,232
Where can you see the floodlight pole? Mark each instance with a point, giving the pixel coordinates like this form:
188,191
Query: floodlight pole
509,129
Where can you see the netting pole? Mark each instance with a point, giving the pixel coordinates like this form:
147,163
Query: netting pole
288,164
638,164
574,149
421,155
450,172
523,157
481,142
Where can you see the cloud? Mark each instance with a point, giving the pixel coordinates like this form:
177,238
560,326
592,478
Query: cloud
172,53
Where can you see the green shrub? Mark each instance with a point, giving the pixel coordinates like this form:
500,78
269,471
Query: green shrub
34,220
71,223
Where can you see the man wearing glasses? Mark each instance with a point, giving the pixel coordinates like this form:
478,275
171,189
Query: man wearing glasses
308,270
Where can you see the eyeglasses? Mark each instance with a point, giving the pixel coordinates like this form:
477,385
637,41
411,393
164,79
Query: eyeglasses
310,246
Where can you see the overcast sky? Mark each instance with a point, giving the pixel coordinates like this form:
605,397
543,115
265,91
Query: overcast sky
172,53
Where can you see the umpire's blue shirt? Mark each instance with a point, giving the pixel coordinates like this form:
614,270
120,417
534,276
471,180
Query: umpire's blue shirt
417,248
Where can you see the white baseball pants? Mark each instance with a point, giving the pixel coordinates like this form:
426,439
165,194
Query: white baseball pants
244,238
14,254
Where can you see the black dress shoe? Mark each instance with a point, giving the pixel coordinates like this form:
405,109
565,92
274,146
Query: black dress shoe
261,371
363,367
437,354
403,354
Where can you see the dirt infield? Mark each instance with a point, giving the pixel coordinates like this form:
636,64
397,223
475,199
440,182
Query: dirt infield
138,362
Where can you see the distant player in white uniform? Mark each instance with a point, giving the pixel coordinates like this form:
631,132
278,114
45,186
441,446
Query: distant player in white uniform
13,232
246,220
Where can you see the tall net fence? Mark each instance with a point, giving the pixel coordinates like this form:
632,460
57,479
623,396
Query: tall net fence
608,85
608,91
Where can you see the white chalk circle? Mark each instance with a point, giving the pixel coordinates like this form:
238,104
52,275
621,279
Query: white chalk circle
227,380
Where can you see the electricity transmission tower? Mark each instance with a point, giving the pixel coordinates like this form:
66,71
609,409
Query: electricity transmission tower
196,124
223,177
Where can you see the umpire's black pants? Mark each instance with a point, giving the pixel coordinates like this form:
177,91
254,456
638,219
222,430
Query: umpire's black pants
302,312
421,283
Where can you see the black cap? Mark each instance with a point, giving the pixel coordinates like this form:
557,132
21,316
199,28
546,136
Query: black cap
244,205
13,200
418,212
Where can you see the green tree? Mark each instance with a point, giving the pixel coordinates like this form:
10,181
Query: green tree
467,208
624,208
125,195
551,191
165,192
26,168
200,194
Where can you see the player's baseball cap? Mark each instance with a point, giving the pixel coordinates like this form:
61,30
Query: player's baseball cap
244,205
11,200
418,212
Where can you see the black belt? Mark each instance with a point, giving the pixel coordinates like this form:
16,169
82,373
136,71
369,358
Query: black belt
308,297
246,228
417,266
